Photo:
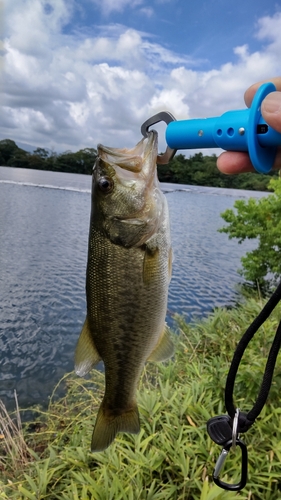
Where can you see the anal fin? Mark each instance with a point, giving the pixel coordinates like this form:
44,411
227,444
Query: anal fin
86,354
165,347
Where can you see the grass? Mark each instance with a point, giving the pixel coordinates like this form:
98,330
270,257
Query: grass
172,457
15,447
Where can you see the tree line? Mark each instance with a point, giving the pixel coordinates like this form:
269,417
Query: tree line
197,170
43,159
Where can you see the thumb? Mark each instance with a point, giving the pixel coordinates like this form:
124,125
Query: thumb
271,110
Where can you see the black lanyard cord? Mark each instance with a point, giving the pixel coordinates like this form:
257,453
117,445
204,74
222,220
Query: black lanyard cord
246,420
224,429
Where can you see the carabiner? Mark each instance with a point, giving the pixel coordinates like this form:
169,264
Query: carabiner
244,467
166,117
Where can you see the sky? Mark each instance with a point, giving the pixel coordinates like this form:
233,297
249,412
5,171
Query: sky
75,73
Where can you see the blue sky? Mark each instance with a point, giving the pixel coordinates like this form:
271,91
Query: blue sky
78,72
204,31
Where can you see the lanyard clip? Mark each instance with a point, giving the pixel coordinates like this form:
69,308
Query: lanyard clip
244,466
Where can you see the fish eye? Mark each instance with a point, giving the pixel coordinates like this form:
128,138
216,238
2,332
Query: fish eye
105,184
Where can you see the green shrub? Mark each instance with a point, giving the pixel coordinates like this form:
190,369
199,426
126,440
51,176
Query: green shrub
258,219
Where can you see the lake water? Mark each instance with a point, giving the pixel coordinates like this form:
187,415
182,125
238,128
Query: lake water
44,221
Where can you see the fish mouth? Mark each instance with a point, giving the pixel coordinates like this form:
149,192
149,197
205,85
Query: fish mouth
133,159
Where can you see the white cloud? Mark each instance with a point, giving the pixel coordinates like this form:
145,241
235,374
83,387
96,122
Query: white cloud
123,48
32,24
108,6
147,11
172,100
69,91
269,29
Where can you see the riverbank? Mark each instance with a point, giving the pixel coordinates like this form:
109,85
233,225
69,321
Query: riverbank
172,457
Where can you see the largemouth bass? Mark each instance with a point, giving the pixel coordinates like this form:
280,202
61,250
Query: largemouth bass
128,273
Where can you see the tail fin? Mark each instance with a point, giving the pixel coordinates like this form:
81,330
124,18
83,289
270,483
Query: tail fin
108,425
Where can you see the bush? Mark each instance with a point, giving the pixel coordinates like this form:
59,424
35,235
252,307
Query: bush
258,219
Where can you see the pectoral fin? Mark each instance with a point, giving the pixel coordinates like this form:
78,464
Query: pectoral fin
151,264
86,354
165,347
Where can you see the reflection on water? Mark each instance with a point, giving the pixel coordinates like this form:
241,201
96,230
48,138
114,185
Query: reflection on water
43,252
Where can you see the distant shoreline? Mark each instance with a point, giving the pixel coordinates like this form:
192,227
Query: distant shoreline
82,182
197,170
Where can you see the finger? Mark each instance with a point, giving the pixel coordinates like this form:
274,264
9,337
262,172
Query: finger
271,110
234,162
249,94
277,162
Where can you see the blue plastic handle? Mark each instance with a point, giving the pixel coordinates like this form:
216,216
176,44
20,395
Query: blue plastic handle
241,130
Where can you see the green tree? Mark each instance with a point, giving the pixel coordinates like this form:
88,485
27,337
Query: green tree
19,159
258,219
81,162
8,149
41,152
2,161
200,170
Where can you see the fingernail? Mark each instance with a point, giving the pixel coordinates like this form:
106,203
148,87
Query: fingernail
272,103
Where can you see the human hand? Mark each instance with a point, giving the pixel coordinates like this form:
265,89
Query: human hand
234,162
